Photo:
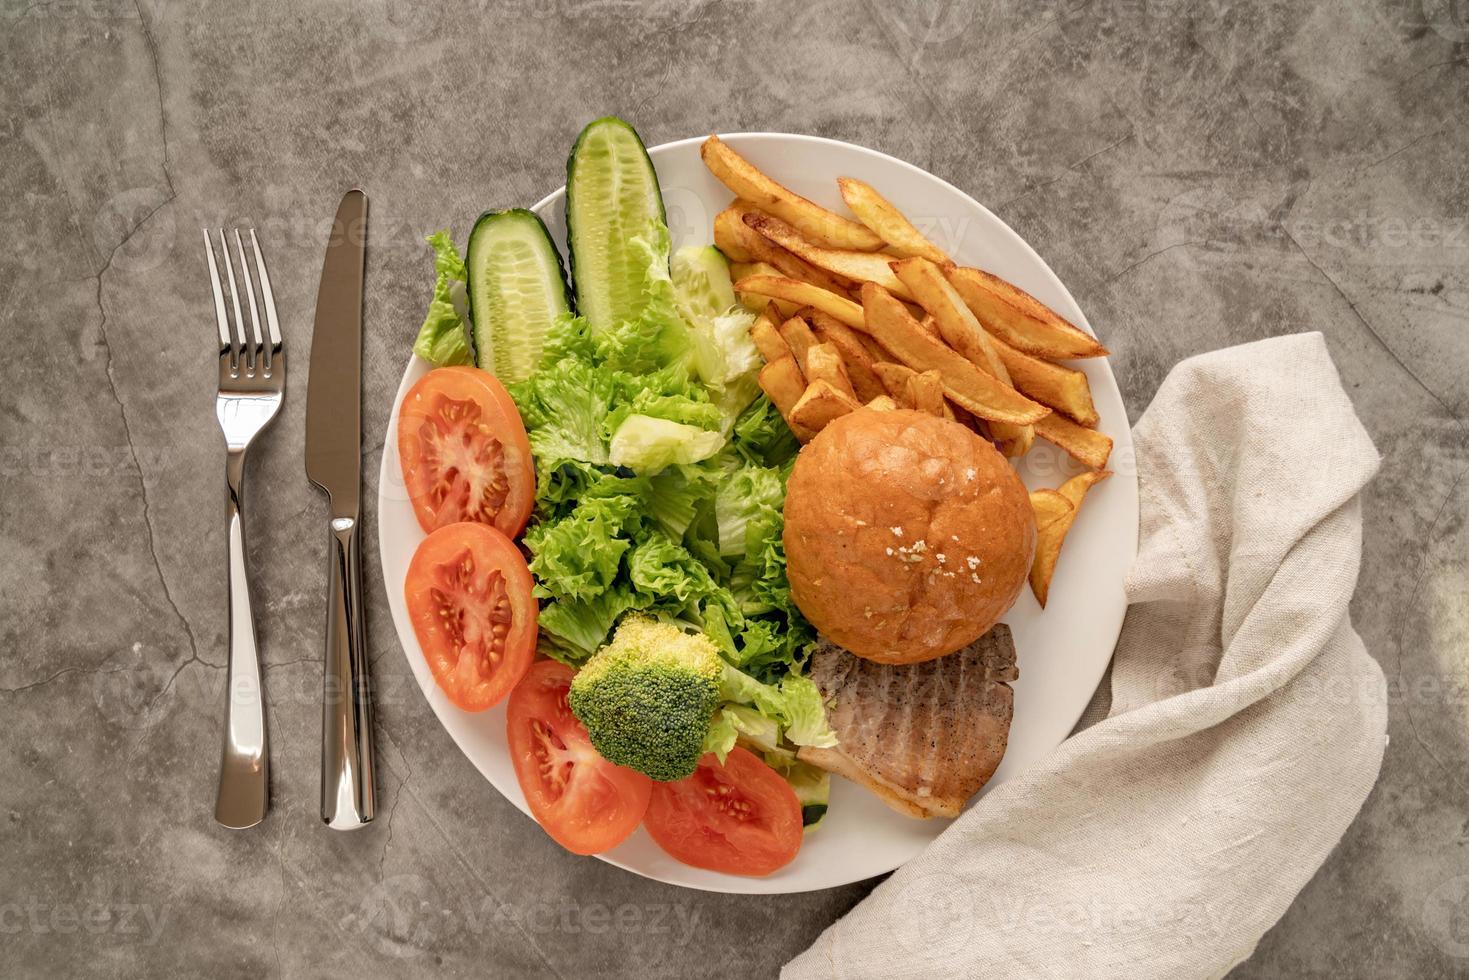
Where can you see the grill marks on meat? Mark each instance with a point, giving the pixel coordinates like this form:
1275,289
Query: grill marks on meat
924,737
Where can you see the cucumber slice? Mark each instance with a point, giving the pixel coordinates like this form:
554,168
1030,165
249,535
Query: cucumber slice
611,193
516,290
701,283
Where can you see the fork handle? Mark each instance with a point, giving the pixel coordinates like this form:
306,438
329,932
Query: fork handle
244,767
348,799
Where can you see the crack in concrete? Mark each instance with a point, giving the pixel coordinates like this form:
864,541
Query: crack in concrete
393,812
1151,255
1069,170
95,671
152,535
1369,328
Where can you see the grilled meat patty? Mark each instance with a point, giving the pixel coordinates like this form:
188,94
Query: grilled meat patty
926,736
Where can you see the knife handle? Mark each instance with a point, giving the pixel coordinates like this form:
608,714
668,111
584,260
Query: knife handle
348,800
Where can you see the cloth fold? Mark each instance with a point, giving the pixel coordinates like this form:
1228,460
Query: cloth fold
1245,728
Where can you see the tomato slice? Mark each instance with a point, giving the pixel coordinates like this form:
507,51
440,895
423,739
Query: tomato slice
740,818
469,597
584,802
464,452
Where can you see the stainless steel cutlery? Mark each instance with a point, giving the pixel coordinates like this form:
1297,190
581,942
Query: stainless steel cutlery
334,463
252,376
252,382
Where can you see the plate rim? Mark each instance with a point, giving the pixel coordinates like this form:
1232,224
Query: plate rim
732,884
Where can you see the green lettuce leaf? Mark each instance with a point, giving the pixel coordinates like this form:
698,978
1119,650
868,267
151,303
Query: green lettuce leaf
649,445
444,337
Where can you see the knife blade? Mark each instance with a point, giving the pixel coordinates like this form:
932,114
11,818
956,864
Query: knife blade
334,382
334,463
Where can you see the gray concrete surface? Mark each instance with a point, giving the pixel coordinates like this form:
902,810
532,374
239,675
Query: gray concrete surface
1199,174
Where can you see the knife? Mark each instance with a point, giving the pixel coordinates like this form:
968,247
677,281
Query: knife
334,463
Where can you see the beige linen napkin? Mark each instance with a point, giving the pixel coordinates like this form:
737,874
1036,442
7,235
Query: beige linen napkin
1246,723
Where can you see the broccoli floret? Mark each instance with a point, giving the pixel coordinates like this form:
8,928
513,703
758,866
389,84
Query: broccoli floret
647,697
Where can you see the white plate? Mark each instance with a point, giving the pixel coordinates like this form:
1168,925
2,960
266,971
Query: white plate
1062,651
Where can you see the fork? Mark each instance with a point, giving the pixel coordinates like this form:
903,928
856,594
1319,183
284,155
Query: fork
252,381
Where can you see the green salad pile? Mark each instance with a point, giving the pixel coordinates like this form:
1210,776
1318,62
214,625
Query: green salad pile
660,479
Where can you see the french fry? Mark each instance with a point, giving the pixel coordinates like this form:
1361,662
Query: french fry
782,382
956,324
767,338
882,403
1050,506
930,325
890,224
820,404
797,334
961,330
824,363
1052,523
804,294
926,391
729,233
855,355
742,270
1087,446
1075,488
848,264
981,393
1064,389
895,378
733,232
813,221
1020,319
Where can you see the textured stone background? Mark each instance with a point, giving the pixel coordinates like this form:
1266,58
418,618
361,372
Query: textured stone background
1199,174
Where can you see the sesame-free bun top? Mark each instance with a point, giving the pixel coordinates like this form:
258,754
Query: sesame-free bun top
907,536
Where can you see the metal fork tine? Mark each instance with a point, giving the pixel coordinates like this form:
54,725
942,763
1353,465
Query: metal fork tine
220,317
258,343
229,271
267,297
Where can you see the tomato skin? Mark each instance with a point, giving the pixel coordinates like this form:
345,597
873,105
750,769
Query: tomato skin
694,821
464,452
477,578
585,803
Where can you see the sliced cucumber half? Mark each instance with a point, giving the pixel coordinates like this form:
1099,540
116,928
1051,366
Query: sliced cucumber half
611,196
517,288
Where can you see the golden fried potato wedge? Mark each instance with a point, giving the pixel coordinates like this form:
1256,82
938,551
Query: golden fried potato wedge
961,331
1064,389
882,403
1020,319
755,302
804,294
767,338
796,332
783,383
1075,488
1052,523
820,404
926,391
958,326
850,265
814,222
824,363
1050,506
729,232
890,224
1087,446
886,320
857,359
895,378
732,230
